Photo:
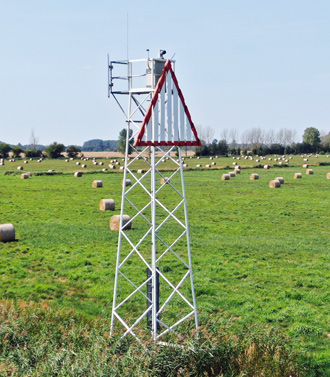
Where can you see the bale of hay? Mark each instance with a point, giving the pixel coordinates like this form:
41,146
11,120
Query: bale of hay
305,166
281,179
164,180
24,176
97,183
7,232
232,174
115,222
266,167
29,173
225,177
238,167
274,183
254,176
78,174
128,182
237,171
309,171
297,175
107,205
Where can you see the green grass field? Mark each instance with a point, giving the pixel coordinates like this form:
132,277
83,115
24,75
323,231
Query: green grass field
260,255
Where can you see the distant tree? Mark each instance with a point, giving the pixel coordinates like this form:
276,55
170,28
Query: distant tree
17,151
312,137
54,150
34,141
122,141
4,150
31,153
73,151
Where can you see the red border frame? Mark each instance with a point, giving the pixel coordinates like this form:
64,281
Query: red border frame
138,142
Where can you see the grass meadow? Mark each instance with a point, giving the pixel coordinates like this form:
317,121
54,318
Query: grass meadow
260,255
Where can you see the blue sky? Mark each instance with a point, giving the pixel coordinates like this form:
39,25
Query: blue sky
240,64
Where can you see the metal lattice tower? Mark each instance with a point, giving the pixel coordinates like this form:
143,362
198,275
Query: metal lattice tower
154,285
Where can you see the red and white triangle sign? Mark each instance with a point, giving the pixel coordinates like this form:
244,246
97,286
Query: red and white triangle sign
167,121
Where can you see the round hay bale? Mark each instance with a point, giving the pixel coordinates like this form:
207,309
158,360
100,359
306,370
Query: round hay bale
305,166
237,171
232,174
225,177
7,232
164,180
29,173
238,167
297,175
281,179
97,183
107,205
128,182
266,167
254,176
309,171
115,222
78,174
274,183
24,176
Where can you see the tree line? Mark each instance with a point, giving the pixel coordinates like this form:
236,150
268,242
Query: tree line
262,142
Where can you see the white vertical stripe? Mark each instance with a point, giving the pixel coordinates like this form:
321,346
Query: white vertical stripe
149,129
188,130
182,121
162,115
175,114
169,106
155,128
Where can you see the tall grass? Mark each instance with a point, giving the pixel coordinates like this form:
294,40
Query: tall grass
40,341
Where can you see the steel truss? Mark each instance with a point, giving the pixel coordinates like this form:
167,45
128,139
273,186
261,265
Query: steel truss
153,279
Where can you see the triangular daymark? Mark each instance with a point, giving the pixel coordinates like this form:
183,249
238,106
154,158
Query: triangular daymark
167,121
